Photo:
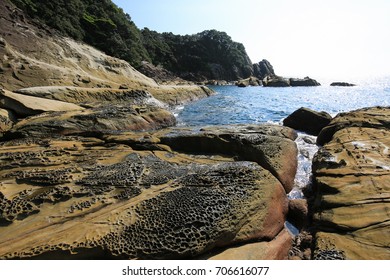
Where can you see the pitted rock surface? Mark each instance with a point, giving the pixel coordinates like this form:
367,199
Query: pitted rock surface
77,197
352,181
270,146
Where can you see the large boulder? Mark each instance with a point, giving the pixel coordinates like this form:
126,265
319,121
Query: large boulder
305,82
77,197
307,120
276,249
24,105
271,146
374,117
352,187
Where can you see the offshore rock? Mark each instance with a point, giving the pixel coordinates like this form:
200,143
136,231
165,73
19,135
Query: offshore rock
342,84
352,185
276,81
251,81
305,82
76,197
263,69
307,120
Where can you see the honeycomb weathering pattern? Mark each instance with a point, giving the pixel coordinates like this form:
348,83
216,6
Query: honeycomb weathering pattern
76,197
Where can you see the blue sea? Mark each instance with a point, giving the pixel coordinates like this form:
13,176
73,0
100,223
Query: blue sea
234,105
250,105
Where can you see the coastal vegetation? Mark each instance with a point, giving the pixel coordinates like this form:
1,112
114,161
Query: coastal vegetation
207,55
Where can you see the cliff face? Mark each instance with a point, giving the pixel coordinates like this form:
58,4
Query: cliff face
208,55
35,55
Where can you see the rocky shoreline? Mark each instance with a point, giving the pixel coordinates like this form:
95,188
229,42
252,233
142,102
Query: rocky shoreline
115,180
93,167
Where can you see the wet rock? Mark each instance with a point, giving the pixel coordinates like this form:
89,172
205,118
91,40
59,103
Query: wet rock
301,246
351,180
308,120
24,105
77,197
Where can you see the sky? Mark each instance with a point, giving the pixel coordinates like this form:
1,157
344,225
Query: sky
337,39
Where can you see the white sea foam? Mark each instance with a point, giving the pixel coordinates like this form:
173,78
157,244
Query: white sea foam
307,148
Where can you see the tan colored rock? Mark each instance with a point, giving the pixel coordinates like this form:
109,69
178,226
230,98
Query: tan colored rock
33,56
87,198
276,249
24,105
95,121
373,117
352,180
270,146
171,95
7,120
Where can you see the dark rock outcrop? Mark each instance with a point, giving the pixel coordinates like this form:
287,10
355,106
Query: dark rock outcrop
351,183
308,120
263,69
278,81
305,82
342,84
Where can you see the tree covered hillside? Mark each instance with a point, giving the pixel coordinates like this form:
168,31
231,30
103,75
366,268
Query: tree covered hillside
207,55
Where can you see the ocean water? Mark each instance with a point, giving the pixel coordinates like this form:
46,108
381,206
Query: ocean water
234,105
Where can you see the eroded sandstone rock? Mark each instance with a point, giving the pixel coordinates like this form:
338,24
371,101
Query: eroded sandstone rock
270,146
7,120
79,197
25,105
94,121
352,180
